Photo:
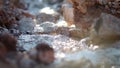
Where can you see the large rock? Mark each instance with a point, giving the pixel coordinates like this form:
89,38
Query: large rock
83,14
106,29
86,11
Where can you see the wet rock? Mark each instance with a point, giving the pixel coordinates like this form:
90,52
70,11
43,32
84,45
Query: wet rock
43,17
45,27
82,15
3,30
15,32
26,25
85,12
62,31
106,29
61,23
48,27
76,33
68,13
38,29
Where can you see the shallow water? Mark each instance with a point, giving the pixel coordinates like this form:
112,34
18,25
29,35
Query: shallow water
68,50
71,53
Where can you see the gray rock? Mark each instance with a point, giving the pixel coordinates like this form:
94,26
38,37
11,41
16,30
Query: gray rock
48,27
44,17
106,29
3,30
26,25
62,31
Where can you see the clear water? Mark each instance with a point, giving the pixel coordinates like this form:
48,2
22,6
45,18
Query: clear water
72,53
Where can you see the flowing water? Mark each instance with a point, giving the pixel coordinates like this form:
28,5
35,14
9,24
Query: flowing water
71,53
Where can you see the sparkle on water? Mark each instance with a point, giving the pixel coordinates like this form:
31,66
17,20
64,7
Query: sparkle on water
71,53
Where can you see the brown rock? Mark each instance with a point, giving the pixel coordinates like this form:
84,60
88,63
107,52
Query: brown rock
10,16
68,13
85,12
9,41
42,54
13,3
